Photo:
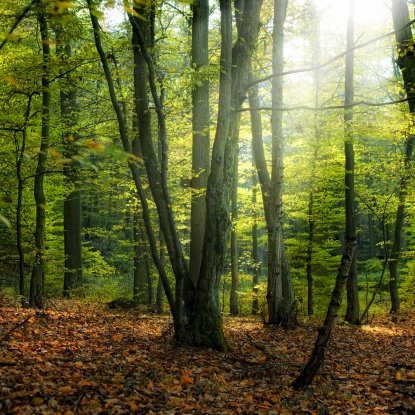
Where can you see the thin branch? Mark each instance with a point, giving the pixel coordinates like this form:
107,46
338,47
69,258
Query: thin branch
330,107
15,327
334,58
19,18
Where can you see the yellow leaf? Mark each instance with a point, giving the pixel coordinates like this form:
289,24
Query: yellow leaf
398,376
11,81
79,364
131,11
36,401
133,406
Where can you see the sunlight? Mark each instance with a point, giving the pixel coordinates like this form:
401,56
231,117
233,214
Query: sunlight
382,330
370,16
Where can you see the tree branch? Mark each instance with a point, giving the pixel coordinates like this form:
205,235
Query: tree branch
19,18
334,58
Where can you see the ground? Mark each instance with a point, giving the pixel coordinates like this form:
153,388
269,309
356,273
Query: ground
76,358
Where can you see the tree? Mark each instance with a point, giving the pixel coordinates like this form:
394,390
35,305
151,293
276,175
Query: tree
205,321
72,202
352,312
281,308
200,126
38,271
406,62
324,334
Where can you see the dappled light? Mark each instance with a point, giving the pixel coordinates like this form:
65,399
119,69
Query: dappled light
207,206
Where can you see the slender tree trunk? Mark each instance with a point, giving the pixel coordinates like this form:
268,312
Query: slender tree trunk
406,62
280,297
257,150
140,273
239,7
72,203
256,268
38,271
315,50
309,257
20,152
234,300
20,186
352,311
200,126
317,356
158,177
135,171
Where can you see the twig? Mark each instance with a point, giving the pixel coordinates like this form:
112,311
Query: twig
13,329
16,23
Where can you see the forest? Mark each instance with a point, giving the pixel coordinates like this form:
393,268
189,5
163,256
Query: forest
190,188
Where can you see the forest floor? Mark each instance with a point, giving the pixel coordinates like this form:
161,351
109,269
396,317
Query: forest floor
83,359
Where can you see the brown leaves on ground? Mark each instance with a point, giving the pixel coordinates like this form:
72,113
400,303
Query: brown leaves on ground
85,360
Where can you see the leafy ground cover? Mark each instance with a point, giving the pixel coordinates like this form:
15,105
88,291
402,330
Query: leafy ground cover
83,359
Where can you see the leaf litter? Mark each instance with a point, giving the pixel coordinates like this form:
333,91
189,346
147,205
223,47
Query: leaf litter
84,359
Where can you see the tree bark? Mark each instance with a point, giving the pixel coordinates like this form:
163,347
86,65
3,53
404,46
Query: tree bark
135,171
72,204
234,298
158,178
315,50
406,62
352,311
38,270
205,320
20,152
256,145
200,126
317,356
280,297
140,291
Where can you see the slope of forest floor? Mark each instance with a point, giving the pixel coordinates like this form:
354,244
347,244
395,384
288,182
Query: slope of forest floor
80,359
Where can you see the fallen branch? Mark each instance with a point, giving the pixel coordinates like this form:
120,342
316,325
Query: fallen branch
6,336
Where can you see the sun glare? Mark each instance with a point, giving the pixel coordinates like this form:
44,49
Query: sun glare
370,15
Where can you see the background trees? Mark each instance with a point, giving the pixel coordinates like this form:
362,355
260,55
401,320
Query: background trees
128,154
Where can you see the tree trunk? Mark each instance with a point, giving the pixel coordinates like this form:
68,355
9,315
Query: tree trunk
200,126
140,105
234,300
256,266
280,297
315,50
317,356
205,320
309,257
256,131
140,293
38,271
72,203
142,35
352,311
20,152
406,62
